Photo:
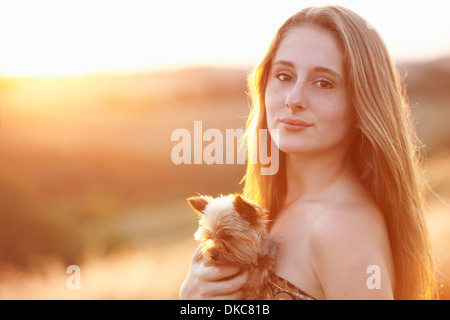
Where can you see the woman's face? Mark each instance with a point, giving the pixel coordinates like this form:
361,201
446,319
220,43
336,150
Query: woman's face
306,96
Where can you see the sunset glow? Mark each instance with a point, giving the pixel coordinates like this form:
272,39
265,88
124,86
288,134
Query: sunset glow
114,112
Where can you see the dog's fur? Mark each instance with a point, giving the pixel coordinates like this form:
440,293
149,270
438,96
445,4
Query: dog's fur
233,230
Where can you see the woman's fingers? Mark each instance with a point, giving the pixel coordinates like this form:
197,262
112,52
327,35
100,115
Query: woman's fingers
238,295
216,273
213,282
230,288
197,254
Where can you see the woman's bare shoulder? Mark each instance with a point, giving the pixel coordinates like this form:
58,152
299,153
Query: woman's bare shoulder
347,237
349,208
350,214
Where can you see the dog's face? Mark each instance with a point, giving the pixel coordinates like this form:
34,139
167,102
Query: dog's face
231,229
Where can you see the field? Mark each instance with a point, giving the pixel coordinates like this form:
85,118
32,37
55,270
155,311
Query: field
87,178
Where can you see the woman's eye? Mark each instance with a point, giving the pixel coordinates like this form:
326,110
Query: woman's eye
283,77
323,84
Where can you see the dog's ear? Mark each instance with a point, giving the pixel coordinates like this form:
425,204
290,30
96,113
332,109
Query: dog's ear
246,209
198,203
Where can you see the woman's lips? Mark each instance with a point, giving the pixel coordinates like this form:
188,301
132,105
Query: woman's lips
294,124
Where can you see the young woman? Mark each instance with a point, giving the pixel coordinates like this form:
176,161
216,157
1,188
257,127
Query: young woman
346,203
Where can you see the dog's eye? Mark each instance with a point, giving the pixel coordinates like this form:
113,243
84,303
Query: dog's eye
226,237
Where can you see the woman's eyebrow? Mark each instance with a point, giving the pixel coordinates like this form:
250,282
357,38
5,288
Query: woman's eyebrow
327,70
315,69
284,63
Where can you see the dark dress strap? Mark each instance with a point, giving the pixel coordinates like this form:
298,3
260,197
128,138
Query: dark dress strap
281,289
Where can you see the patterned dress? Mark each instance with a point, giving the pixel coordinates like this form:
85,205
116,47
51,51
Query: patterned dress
281,289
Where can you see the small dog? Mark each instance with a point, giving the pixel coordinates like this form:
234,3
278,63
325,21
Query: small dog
233,230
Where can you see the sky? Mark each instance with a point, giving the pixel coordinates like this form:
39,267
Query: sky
74,37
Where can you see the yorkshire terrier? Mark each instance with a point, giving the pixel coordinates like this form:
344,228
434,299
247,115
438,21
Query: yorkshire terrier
233,230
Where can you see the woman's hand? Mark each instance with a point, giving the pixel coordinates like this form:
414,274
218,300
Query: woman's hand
212,282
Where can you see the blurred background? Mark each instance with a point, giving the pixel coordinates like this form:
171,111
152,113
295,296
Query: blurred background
90,93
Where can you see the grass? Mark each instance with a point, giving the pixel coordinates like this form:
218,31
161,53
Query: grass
147,272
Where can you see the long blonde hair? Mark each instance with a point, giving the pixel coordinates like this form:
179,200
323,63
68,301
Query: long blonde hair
385,151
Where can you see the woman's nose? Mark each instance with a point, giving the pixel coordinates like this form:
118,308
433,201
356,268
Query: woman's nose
295,100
